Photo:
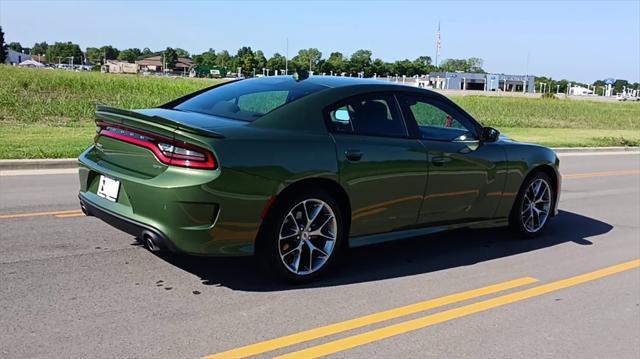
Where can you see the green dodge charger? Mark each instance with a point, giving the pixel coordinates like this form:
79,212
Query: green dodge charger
296,170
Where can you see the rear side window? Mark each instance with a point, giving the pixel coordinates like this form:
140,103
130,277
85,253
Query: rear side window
248,100
373,115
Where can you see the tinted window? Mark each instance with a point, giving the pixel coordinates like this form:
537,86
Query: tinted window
248,100
375,115
434,121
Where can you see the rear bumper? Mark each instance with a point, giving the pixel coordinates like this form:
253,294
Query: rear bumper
126,225
197,212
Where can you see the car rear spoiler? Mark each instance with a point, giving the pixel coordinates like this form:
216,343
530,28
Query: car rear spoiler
118,115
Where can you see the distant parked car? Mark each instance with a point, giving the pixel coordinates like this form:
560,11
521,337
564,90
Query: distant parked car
294,171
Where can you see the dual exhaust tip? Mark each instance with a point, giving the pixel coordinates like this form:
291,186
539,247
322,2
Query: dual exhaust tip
151,241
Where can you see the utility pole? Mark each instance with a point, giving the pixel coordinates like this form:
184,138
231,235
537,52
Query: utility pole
286,59
437,43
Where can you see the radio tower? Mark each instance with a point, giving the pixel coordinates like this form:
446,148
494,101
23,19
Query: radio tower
438,45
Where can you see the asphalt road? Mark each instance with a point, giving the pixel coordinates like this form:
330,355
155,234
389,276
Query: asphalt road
72,287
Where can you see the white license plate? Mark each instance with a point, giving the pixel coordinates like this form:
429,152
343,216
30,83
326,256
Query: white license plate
108,188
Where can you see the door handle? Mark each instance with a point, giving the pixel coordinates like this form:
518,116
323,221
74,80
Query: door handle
353,155
438,161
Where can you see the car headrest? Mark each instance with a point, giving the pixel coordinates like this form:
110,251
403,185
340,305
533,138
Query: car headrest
224,106
374,111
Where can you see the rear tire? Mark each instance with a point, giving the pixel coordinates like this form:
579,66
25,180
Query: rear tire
533,206
302,236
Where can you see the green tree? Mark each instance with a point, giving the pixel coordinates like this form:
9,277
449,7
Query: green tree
62,52
380,68
245,58
223,59
402,67
336,64
129,55
109,52
206,58
182,52
261,60
619,85
39,48
472,64
94,55
475,65
276,62
3,47
422,65
306,58
146,52
170,58
15,46
360,61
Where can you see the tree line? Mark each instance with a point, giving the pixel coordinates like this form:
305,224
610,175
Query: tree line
360,62
251,62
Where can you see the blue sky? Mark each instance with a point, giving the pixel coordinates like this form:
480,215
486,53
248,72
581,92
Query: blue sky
577,40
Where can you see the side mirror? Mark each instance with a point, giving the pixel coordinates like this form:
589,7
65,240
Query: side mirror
490,134
342,116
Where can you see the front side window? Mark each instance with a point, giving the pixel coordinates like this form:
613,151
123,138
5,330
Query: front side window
248,100
434,122
372,115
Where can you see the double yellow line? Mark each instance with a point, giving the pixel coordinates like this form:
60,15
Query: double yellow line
356,340
57,214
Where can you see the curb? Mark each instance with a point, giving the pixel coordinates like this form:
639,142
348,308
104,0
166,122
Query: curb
38,164
591,149
60,163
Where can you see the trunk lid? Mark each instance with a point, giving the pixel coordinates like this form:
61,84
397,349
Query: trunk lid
135,140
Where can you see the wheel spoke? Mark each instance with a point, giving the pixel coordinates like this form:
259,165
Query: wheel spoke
288,236
310,256
295,222
306,213
291,251
296,262
332,238
316,249
318,230
315,212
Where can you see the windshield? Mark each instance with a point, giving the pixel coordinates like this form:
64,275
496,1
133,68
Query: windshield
248,100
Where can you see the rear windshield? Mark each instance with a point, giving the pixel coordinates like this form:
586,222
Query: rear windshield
248,100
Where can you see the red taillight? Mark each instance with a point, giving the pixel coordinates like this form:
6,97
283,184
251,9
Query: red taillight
168,151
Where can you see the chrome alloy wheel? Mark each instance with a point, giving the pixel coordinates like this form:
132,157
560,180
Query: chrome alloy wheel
307,236
536,205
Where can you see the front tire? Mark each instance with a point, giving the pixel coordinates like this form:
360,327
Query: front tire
302,236
533,206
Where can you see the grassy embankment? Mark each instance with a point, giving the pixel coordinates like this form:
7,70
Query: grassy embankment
49,113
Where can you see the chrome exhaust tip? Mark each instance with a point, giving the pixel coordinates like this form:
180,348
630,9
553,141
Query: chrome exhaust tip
150,241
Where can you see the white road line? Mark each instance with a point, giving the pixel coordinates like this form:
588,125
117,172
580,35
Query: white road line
54,171
617,153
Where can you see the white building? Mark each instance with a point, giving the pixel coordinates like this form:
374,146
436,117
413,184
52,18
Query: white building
15,57
580,91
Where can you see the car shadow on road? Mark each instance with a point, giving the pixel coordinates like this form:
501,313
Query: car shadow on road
400,258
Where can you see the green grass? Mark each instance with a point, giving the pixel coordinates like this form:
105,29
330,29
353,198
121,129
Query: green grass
49,113
574,137
42,141
503,112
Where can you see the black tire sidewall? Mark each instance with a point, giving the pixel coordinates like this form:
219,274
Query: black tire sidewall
515,220
267,249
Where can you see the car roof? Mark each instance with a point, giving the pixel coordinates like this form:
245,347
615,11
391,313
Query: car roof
331,81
